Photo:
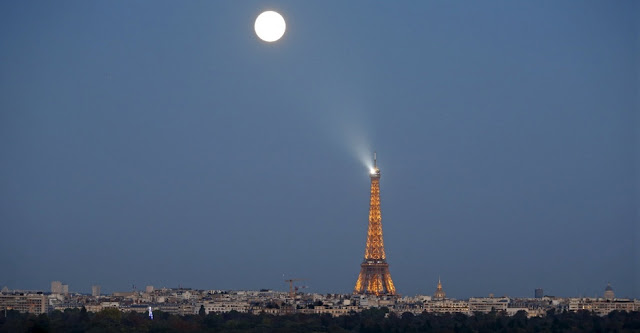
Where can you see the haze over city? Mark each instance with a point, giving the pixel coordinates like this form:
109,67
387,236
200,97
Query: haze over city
163,143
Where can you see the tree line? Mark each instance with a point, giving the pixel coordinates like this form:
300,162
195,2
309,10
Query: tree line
370,320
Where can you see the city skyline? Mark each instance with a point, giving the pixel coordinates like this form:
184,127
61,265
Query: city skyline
188,301
438,293
163,143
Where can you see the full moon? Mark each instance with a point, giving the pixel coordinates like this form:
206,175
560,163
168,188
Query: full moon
270,26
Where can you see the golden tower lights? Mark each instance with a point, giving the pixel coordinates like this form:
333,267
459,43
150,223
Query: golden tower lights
374,277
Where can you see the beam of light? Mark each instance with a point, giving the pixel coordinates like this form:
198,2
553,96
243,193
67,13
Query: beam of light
353,125
345,118
359,146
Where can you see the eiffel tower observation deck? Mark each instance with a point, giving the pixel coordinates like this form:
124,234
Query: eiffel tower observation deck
374,278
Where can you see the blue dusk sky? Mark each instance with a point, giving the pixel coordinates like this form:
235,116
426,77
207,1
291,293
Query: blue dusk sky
162,143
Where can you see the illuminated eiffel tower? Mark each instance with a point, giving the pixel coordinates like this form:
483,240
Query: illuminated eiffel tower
374,275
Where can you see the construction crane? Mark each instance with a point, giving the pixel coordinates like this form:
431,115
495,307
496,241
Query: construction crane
292,291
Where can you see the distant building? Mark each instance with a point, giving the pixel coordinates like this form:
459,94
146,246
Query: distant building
223,306
93,307
539,293
106,305
148,289
439,294
487,305
95,291
123,293
56,287
31,303
447,306
180,309
608,292
603,306
65,289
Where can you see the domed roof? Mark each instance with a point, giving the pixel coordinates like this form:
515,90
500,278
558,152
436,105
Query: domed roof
439,292
608,288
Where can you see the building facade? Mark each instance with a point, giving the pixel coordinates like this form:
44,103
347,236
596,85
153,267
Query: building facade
538,293
31,303
56,287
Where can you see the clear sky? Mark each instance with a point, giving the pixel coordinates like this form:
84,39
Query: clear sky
162,143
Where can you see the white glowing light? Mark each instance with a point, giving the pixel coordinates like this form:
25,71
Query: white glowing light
270,26
372,170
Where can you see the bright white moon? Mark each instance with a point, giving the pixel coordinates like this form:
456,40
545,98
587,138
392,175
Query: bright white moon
270,26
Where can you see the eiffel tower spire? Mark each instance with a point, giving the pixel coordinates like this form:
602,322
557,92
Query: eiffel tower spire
374,275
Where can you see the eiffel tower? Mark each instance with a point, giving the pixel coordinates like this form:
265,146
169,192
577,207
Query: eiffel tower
374,277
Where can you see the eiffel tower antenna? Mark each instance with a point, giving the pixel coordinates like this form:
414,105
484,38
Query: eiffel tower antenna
374,277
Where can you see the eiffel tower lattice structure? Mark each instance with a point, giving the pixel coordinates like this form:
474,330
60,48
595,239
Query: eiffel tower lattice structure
374,278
